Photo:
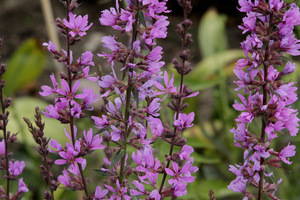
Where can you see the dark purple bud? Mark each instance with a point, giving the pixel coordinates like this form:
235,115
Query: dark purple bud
185,54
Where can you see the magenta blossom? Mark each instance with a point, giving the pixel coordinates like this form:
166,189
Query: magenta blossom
16,167
2,147
78,25
118,193
184,121
22,187
100,194
91,142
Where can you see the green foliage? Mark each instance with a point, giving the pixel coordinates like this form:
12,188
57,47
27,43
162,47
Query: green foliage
24,67
25,107
212,33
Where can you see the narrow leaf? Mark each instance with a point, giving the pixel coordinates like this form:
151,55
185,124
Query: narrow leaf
142,18
117,157
101,172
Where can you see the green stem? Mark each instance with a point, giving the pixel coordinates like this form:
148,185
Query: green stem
70,106
265,99
127,99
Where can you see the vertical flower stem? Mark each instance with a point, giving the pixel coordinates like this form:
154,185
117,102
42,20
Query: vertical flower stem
5,136
265,99
179,102
70,106
127,98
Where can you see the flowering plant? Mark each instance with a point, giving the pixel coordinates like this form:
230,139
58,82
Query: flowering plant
127,128
267,97
131,114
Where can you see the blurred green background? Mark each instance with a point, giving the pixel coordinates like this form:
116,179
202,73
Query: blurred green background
215,51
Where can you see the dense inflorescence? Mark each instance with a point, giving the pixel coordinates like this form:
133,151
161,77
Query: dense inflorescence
133,117
270,26
132,104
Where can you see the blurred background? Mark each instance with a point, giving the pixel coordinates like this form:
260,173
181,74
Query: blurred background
215,50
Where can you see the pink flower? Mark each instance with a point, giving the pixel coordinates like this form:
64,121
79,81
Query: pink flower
100,194
141,189
101,122
69,156
86,59
286,152
64,179
108,18
22,187
184,121
186,152
48,90
156,126
16,167
154,107
169,89
91,142
155,195
180,175
118,193
2,147
78,25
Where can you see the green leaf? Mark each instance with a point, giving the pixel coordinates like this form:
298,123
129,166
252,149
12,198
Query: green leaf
204,74
142,18
212,33
101,172
136,96
24,67
117,157
25,107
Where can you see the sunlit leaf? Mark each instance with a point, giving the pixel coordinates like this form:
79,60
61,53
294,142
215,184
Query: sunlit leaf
24,67
25,107
212,33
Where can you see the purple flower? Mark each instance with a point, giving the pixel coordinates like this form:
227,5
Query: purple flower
50,47
141,189
156,126
101,122
54,144
186,152
184,121
22,187
169,89
155,54
48,90
69,156
155,195
100,194
238,185
16,167
154,107
248,116
286,152
108,18
289,68
78,25
86,59
118,193
182,175
246,5
65,179
91,142
2,147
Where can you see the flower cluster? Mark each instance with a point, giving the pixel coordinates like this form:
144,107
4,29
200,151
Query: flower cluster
270,26
11,168
70,102
132,119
